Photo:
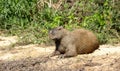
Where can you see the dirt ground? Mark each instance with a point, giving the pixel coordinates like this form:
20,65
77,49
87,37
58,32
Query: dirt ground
33,57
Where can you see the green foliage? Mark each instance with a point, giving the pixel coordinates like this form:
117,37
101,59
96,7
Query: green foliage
16,13
102,21
32,19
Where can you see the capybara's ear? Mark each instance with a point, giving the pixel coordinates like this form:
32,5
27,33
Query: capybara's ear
60,27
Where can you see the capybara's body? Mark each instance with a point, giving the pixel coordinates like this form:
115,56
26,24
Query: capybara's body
79,41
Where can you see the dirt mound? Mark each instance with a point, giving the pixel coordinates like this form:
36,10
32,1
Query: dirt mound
7,42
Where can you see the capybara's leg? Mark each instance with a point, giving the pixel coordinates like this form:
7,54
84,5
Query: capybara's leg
55,53
70,51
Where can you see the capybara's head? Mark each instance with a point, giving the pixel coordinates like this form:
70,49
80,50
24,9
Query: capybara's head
56,33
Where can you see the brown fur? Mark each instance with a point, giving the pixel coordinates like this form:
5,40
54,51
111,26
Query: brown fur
79,41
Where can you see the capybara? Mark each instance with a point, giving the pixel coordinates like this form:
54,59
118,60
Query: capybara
71,43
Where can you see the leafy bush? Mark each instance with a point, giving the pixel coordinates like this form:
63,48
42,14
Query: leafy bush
31,19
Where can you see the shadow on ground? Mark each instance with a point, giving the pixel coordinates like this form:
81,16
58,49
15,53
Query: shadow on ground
66,64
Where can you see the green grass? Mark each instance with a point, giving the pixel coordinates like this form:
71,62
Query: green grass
32,19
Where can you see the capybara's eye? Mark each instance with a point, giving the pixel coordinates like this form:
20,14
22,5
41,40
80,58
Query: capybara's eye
59,28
